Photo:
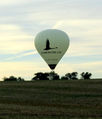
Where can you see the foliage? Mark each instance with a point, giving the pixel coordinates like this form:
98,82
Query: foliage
41,76
20,79
64,78
53,76
86,75
12,78
71,76
46,76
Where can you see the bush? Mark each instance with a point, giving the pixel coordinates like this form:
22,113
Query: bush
12,78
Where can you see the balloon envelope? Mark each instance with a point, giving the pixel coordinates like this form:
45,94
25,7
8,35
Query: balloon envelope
52,45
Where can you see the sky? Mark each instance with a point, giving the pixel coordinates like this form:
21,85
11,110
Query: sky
21,20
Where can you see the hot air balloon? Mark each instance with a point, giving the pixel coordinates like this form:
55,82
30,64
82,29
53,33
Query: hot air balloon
51,45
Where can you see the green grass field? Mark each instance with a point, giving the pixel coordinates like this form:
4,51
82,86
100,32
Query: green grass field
51,99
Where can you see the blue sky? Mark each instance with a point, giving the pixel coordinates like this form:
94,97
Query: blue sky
21,20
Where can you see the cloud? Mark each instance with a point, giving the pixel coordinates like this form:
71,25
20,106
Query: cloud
80,26
19,19
85,36
13,39
49,13
12,2
27,69
23,69
17,56
94,67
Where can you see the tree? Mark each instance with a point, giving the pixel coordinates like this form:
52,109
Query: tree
64,78
40,76
68,76
71,76
74,75
46,76
86,75
53,76
13,78
20,79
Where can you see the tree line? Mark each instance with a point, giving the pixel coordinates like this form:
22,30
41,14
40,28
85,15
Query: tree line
53,76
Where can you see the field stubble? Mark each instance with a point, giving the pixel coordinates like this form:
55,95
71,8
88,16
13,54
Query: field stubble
47,99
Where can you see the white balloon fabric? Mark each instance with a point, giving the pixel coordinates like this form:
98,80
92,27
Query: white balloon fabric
52,45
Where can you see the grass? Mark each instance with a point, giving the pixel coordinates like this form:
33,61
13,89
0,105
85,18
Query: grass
79,99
